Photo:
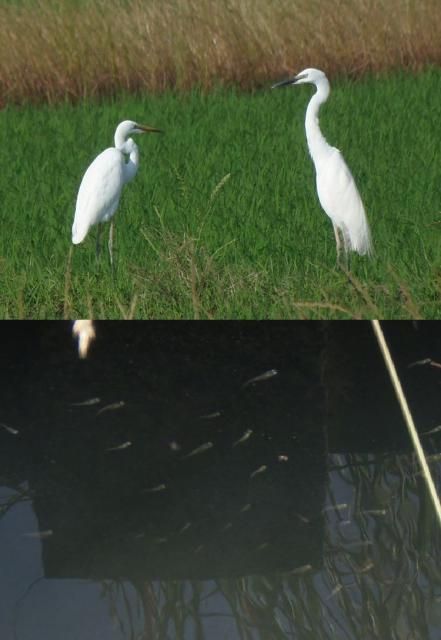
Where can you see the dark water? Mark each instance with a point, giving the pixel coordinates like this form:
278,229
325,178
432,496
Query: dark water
207,506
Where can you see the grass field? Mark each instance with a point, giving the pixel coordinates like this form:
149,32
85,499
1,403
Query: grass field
222,220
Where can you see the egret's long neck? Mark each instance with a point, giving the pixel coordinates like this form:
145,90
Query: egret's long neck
314,137
131,167
128,147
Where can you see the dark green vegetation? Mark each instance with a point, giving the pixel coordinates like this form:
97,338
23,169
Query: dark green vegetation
222,219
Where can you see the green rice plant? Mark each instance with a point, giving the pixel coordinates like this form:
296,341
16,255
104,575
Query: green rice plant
223,219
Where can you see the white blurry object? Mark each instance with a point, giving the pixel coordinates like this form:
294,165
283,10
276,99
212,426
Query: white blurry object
85,332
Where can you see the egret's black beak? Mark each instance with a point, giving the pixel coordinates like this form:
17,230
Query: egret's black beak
284,83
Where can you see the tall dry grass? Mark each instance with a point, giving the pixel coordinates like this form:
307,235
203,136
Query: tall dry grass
56,50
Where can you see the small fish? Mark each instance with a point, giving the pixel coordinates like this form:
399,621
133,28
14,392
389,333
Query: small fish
186,526
160,487
245,436
227,526
160,540
263,376
418,363
124,445
246,507
86,403
335,590
39,534
303,569
303,518
111,407
432,431
259,470
198,549
11,430
335,507
201,449
366,567
210,416
282,458
374,512
262,546
428,361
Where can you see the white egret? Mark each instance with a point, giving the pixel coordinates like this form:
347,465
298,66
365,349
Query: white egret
101,186
336,187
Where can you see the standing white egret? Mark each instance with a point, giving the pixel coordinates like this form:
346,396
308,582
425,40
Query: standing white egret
101,186
336,188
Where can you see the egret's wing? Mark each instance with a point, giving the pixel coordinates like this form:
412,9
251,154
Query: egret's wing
99,192
339,197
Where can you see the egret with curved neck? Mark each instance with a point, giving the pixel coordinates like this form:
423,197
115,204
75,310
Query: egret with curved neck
336,188
101,187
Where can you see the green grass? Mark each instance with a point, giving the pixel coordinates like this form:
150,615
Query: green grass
222,220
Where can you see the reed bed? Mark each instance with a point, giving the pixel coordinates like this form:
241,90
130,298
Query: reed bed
68,50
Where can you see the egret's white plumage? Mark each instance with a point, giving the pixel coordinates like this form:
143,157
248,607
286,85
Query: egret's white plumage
336,188
100,189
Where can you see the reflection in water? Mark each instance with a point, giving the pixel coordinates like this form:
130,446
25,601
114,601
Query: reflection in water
307,517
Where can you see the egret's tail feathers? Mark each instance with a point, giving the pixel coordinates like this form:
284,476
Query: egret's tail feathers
358,240
78,233
363,245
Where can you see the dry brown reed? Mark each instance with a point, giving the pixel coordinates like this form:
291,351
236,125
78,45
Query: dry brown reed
62,50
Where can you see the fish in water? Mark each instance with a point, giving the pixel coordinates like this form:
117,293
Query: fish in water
245,437
111,407
11,430
86,403
39,534
263,376
159,487
186,526
300,570
432,431
210,416
259,470
201,449
335,590
429,361
124,445
374,512
335,507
